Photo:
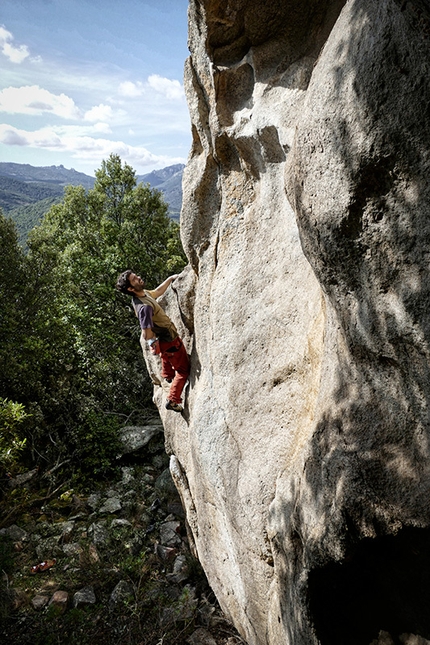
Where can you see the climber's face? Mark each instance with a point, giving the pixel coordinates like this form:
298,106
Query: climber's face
136,282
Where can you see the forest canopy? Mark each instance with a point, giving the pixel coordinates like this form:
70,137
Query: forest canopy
71,370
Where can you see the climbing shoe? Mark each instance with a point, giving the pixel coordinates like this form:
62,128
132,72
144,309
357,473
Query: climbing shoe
171,405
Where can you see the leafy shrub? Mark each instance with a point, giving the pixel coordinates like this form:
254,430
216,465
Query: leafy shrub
11,417
97,444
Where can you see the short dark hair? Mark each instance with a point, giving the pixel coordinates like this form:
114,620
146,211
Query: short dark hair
123,282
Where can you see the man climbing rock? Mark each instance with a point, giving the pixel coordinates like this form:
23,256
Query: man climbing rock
159,332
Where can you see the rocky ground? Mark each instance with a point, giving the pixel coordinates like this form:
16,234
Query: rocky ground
110,565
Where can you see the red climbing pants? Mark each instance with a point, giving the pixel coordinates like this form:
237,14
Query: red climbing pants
174,366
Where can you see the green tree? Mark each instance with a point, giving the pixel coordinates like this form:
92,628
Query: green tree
11,278
34,358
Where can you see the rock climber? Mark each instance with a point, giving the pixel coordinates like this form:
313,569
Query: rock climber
159,332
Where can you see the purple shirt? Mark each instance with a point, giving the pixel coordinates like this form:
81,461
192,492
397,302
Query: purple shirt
144,314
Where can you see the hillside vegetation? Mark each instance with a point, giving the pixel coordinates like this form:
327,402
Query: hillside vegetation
28,216
15,193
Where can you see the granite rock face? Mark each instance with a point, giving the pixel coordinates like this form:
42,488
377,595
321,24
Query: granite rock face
302,456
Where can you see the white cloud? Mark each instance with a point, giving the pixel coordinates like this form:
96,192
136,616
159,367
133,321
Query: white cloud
14,54
72,140
11,137
99,113
34,100
172,90
131,90
103,128
78,130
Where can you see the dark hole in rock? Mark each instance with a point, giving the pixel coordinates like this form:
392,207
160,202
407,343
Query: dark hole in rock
383,585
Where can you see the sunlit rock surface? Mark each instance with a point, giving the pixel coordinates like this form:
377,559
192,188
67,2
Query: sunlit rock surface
302,457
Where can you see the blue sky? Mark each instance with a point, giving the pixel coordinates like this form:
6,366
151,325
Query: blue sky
83,78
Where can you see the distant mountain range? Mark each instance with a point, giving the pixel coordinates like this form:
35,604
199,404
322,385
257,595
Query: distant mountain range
169,181
27,192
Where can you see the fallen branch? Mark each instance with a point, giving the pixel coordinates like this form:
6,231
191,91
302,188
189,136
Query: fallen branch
56,467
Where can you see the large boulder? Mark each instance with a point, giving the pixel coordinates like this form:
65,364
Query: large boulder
302,456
